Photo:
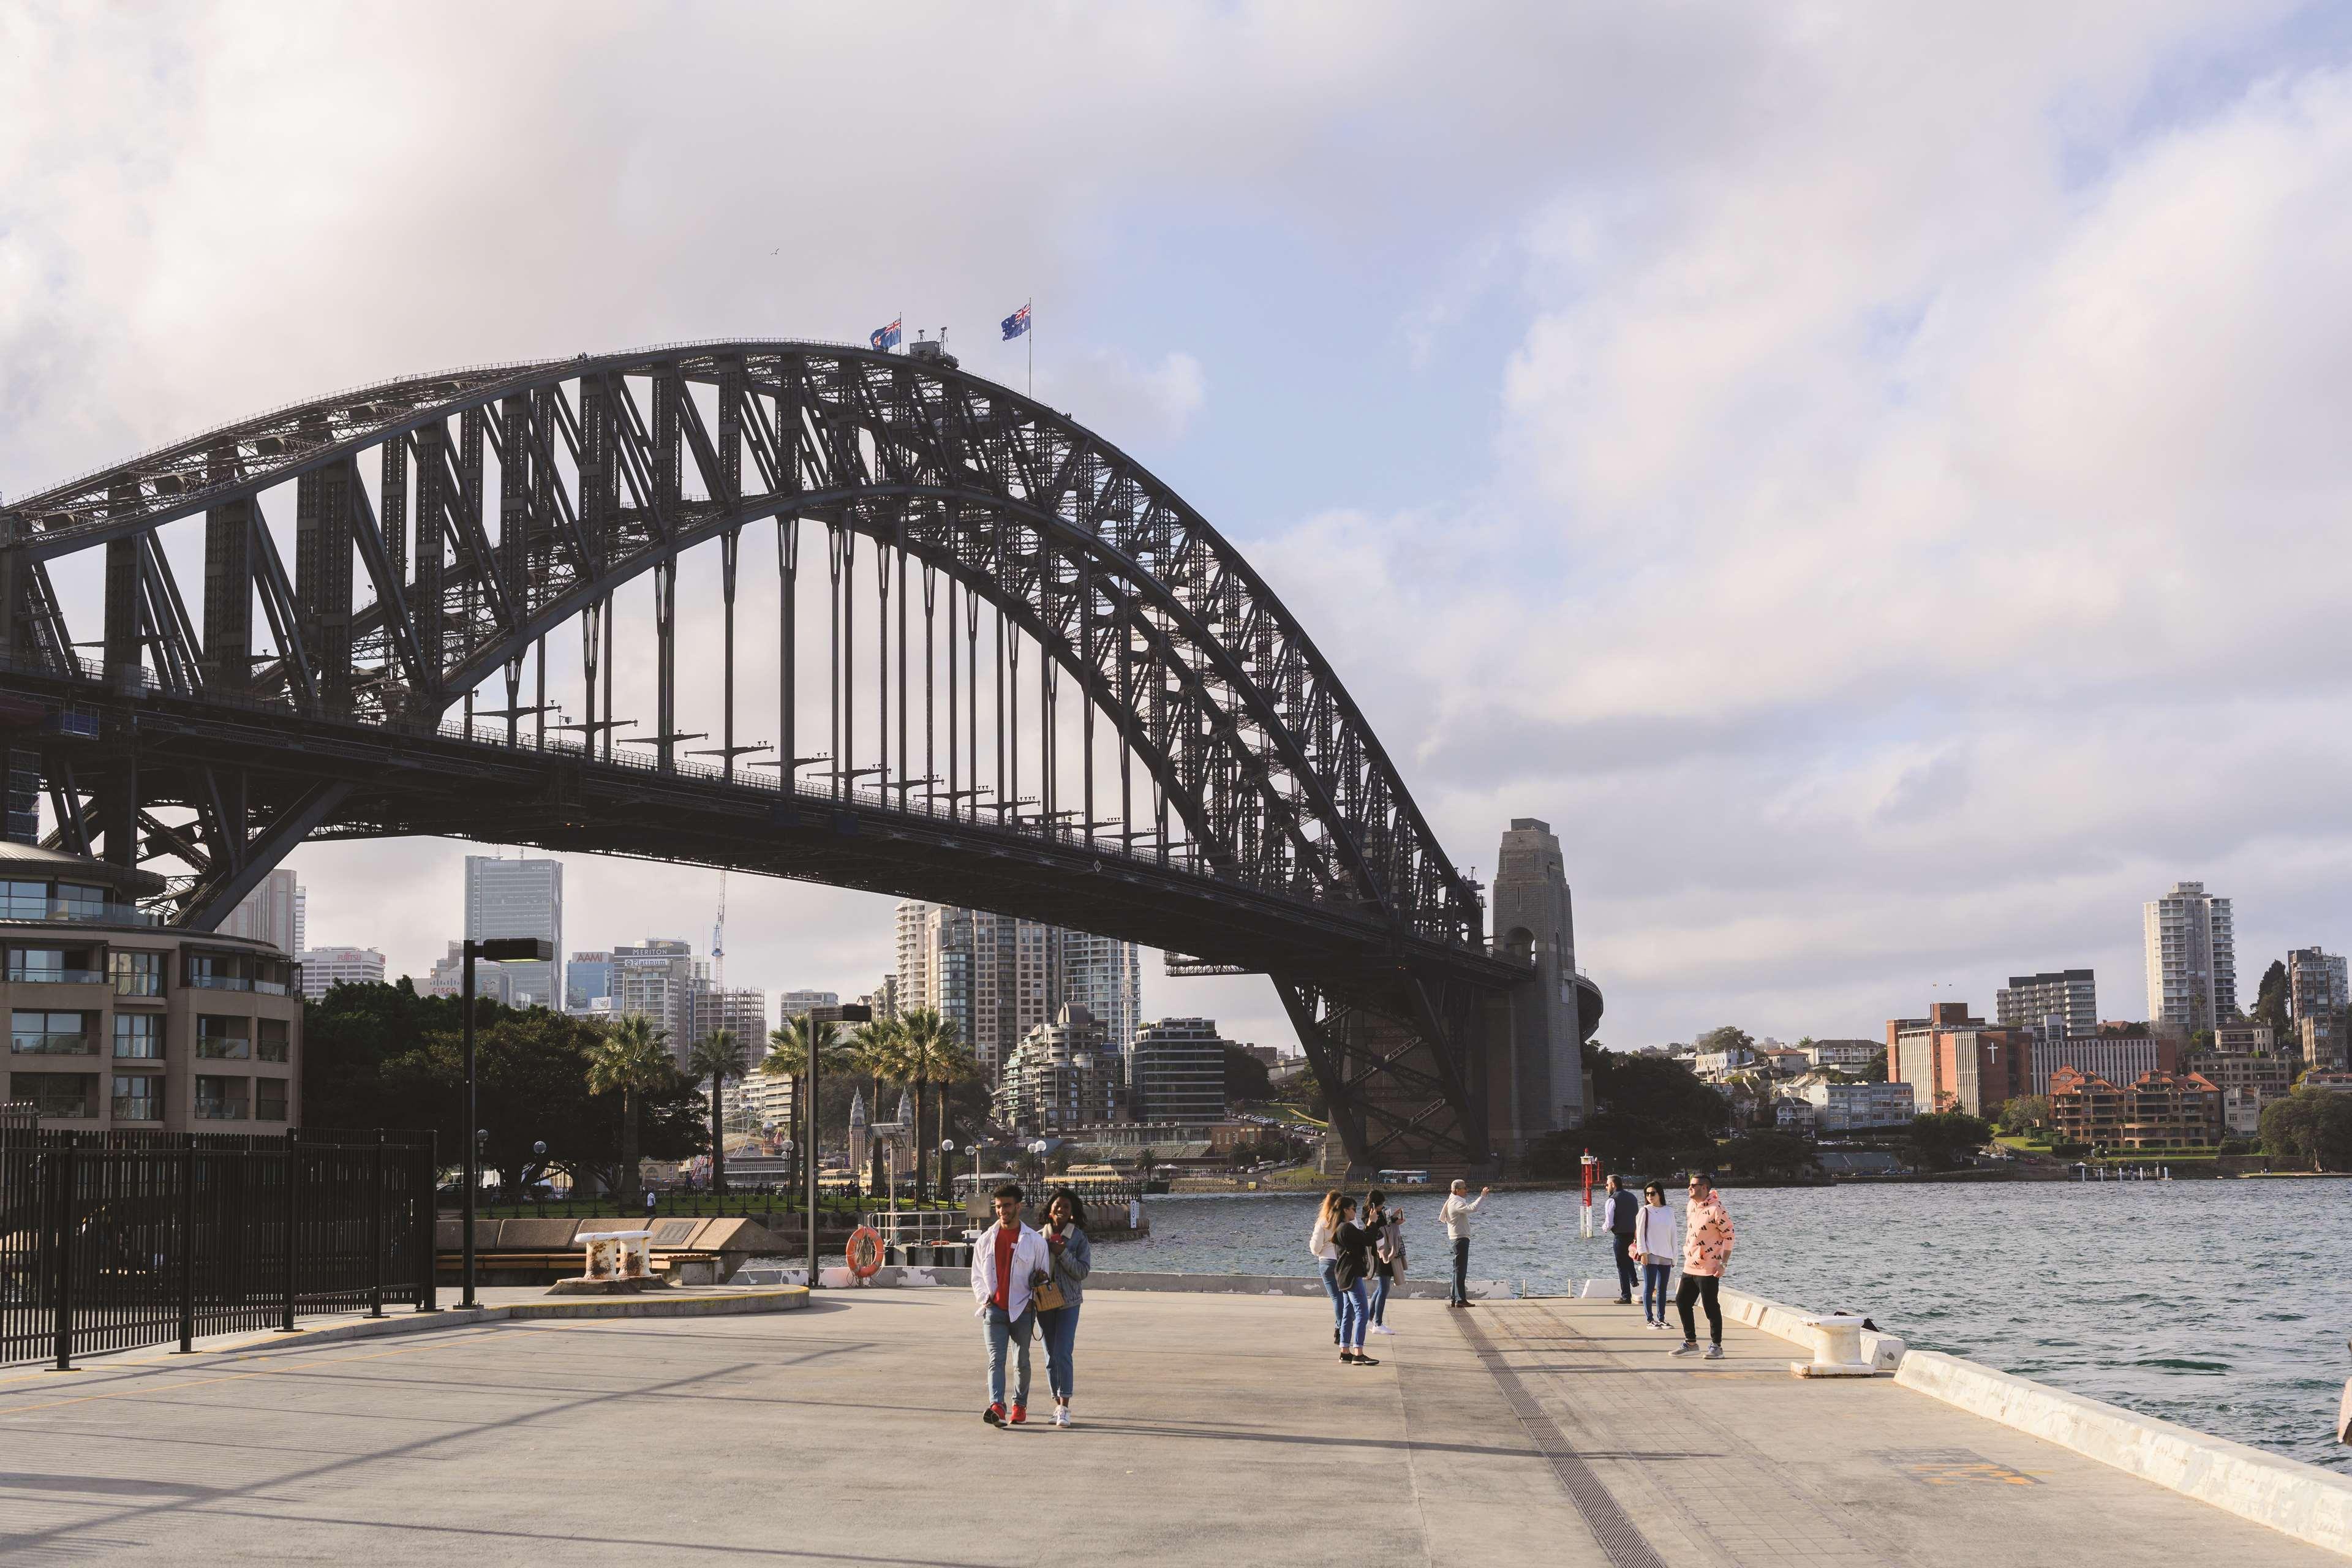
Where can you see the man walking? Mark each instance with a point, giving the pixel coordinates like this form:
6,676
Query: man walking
1706,1253
1457,1212
1007,1256
1622,1212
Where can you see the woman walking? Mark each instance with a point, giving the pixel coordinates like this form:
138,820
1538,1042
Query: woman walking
1387,1226
1655,1247
1355,1244
1327,1254
1073,1258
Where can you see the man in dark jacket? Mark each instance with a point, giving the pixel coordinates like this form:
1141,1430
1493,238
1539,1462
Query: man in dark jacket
1622,1210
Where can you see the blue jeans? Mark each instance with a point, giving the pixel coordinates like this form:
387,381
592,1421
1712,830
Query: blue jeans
1354,1314
1379,1295
1331,1289
1059,1329
1653,1290
1001,1328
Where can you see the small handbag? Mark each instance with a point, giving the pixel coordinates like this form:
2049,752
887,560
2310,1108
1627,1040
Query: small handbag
1045,1292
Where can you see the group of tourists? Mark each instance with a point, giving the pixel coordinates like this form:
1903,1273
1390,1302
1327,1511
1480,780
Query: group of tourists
1360,1256
1648,1237
1027,1280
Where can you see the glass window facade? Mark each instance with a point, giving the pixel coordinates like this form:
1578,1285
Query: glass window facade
220,1100
67,1094
24,900
270,1100
139,1037
50,1034
138,1097
269,1043
137,973
223,1039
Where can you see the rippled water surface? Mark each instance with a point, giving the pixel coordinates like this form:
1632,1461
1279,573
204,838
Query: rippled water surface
2224,1306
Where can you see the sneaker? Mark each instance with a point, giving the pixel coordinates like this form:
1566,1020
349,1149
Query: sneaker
1061,1415
1020,1415
1383,1329
1714,1352
1363,1360
1689,1347
1347,1358
994,1416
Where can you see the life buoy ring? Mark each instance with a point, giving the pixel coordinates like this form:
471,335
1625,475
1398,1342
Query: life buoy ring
864,1254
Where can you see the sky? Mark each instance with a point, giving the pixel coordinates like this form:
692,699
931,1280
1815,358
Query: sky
1873,477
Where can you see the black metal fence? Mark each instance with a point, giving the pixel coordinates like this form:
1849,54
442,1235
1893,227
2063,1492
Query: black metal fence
113,1241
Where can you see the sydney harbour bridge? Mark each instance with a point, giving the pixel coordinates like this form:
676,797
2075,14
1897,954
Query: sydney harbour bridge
995,663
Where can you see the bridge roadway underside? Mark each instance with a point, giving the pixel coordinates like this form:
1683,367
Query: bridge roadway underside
1213,1430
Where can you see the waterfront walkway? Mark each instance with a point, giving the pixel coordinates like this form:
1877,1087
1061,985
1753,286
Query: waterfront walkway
1215,1430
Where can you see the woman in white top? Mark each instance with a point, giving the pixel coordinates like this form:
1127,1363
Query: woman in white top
1321,1242
1655,1247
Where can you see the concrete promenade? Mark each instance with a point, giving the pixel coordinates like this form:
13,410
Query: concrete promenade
1214,1430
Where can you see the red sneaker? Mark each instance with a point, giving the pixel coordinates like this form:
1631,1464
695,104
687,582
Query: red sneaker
994,1416
1020,1415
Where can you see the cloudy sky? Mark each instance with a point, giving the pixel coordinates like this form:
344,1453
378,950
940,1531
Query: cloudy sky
1873,477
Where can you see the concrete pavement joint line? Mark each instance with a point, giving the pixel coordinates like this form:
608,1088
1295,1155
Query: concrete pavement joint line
1619,1536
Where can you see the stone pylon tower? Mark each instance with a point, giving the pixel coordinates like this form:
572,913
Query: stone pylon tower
857,1130
1535,1080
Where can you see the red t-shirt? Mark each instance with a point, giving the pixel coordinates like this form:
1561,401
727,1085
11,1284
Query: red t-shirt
1006,1240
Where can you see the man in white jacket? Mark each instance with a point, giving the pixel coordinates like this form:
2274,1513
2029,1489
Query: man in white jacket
1007,1255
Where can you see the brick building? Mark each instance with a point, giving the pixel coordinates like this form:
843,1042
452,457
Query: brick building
2158,1110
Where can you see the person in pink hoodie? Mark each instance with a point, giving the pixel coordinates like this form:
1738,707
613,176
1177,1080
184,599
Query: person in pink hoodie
1706,1253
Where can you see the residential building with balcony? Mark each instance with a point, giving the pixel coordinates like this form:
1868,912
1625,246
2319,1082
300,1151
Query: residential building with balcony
2192,959
1853,1106
1176,1071
119,1023
2028,999
2315,985
1845,1055
2158,1110
2110,1054
1063,1074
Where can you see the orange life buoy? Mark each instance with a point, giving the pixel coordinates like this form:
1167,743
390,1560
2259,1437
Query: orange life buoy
864,1252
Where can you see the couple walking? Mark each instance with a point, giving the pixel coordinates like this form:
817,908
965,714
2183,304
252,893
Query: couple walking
1352,1254
1646,1235
1021,1279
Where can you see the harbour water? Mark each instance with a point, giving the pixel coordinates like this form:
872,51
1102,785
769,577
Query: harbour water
2224,1306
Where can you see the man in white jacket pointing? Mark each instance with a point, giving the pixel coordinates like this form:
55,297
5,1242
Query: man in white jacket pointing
1005,1259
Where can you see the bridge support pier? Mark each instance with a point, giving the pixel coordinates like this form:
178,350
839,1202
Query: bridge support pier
1535,1032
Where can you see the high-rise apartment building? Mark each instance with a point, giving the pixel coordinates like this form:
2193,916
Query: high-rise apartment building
1176,1071
273,912
2314,984
519,898
2028,999
1062,1073
324,968
996,978
586,977
2192,959
658,980
741,1011
794,1004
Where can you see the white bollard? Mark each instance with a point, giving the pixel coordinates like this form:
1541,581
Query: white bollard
1837,1348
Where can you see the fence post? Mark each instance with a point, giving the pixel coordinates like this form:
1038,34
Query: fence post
375,1228
423,1182
63,1167
293,1219
187,1243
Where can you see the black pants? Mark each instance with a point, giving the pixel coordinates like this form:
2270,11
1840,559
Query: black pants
1700,1288
1621,1243
1461,1268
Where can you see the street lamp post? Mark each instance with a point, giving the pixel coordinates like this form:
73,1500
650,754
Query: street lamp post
845,1013
492,949
947,1166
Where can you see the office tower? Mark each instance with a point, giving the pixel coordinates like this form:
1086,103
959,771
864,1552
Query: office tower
2192,959
1105,976
741,1011
2314,984
1176,1071
586,977
273,912
519,898
2028,999
324,968
657,980
794,1004
996,978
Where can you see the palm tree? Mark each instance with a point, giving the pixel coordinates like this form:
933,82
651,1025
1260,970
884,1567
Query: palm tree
788,1057
949,1062
923,1032
632,1059
718,1056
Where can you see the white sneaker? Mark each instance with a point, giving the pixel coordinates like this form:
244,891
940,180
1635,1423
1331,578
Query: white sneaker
1061,1415
1383,1329
1689,1347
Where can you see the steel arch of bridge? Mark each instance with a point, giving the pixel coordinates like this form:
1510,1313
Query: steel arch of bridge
1296,825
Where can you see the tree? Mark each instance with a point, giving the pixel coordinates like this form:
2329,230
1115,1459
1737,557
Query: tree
788,1057
1763,1156
2311,1127
2025,1113
632,1061
2271,1003
877,1050
1938,1137
1248,1081
715,1058
926,1038
1145,1163
1729,1037
1650,1116
1877,1071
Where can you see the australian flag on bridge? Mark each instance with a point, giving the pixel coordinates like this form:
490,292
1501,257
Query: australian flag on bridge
886,337
1016,323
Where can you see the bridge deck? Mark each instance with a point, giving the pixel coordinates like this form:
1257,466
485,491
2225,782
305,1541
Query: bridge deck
1215,1430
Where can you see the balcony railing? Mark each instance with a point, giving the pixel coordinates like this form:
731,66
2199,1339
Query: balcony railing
53,1044
222,1047
220,1111
139,1108
132,983
220,983
17,976
270,987
76,1107
61,911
